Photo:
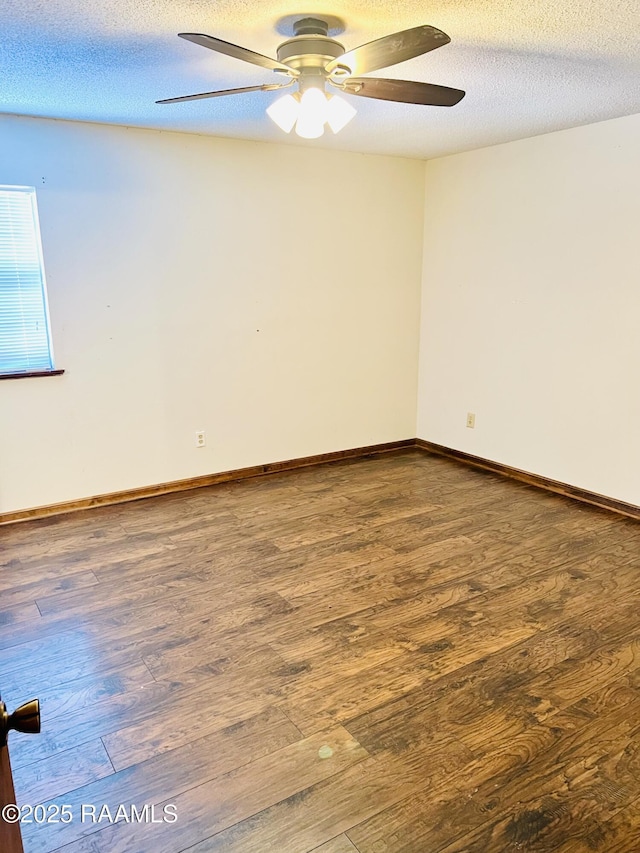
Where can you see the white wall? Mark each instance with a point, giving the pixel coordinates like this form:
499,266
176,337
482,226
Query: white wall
269,295
531,306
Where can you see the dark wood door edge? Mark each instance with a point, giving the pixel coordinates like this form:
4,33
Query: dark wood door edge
10,839
200,482
601,501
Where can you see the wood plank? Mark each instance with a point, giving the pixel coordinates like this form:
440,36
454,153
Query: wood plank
56,776
339,844
169,774
19,614
215,805
619,834
309,818
553,807
210,704
29,591
430,817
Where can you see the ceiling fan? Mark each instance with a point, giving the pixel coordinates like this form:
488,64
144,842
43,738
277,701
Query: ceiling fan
311,59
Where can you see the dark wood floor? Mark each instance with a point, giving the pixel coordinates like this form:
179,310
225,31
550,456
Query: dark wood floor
393,655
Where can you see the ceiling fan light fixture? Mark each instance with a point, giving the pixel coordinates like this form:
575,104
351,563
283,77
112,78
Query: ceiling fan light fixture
339,113
284,112
312,58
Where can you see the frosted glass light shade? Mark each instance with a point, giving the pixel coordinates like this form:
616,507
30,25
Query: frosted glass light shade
339,113
284,112
312,115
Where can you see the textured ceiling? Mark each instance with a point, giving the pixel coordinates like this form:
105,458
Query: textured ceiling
527,67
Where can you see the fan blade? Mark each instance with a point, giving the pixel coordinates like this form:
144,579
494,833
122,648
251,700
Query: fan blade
390,50
238,52
267,87
405,91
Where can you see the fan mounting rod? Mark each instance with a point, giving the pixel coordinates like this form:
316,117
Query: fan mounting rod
311,27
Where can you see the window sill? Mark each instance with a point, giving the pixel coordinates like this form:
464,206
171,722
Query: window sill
29,374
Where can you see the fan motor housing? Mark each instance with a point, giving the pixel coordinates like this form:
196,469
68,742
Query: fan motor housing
309,51
311,47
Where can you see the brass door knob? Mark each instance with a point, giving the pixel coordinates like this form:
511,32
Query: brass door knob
25,719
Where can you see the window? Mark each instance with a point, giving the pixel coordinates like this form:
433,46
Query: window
25,343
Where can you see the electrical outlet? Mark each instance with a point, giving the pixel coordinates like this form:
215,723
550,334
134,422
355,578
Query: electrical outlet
200,439
471,420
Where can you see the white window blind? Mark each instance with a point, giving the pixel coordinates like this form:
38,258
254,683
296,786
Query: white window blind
25,343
